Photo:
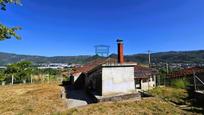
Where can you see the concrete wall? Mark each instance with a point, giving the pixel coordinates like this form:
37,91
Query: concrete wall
117,80
148,83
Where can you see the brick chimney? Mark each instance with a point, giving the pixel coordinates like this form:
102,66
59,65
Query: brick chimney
120,51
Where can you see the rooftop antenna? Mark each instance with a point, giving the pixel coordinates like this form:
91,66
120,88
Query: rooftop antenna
102,50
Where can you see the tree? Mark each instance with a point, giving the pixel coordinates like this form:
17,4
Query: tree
6,32
24,70
19,71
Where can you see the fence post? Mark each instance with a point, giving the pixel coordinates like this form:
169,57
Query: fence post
3,83
31,78
12,79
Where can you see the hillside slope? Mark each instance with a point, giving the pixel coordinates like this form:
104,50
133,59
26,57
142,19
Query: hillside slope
6,58
171,57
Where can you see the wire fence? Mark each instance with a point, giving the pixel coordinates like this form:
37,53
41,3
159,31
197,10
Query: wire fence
11,80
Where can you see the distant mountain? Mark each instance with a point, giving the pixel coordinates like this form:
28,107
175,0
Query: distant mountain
171,57
6,58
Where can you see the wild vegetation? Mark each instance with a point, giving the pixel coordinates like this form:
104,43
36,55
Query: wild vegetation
180,98
180,83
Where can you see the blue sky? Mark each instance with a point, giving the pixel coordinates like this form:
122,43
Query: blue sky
74,27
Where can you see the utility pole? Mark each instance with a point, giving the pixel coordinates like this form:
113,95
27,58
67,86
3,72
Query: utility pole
31,78
167,68
149,54
167,72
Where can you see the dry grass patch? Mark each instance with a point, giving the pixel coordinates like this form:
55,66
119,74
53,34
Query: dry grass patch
150,106
31,99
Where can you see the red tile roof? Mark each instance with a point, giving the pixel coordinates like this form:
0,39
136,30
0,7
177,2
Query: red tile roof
144,72
140,71
186,72
93,64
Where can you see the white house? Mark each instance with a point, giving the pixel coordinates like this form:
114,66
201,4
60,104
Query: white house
111,77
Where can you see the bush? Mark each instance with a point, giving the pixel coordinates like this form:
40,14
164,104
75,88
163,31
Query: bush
180,83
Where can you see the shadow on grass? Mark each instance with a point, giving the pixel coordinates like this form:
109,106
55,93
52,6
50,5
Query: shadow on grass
196,101
77,94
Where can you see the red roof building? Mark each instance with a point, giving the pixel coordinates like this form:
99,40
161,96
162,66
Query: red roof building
186,72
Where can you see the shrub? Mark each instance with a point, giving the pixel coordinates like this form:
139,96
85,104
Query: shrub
180,83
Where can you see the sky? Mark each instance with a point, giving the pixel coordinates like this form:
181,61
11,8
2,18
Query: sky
74,27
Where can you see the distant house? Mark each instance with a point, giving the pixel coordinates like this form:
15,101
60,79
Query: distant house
110,77
145,78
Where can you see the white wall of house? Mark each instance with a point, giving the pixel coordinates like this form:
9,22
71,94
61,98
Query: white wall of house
117,80
148,83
